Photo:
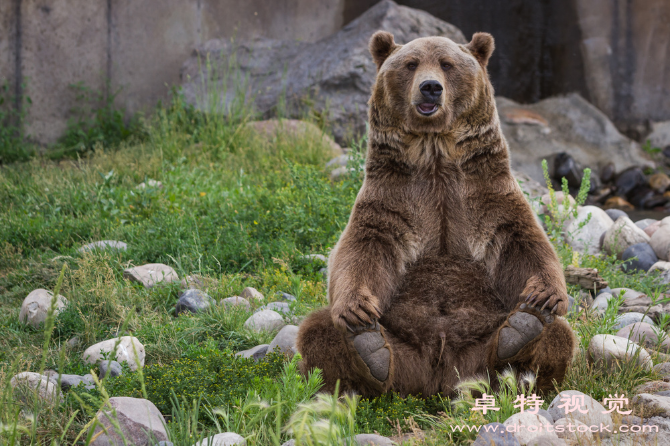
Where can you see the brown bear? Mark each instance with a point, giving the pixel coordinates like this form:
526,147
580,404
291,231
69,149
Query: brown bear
442,272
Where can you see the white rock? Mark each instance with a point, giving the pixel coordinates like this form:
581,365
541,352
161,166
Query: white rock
622,234
527,426
104,245
124,351
236,301
608,350
314,258
139,420
587,239
626,293
659,405
225,439
546,201
36,306
574,430
660,240
661,266
644,223
285,340
372,440
151,274
251,293
266,320
26,382
584,409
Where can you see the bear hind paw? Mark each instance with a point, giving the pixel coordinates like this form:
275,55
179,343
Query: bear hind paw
372,348
523,328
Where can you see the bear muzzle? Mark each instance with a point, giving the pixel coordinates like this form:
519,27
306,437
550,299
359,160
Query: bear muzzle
431,92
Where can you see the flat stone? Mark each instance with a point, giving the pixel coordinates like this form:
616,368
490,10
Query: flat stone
663,369
639,257
496,435
578,402
251,293
587,238
626,293
608,351
224,439
644,334
68,381
151,274
285,340
111,367
140,423
236,301
519,423
35,307
124,351
574,430
633,317
193,301
279,307
653,404
372,440
26,382
652,387
621,235
266,320
104,245
256,353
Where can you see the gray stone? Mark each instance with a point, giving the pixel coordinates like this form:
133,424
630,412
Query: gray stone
546,440
525,436
639,257
372,440
660,240
663,369
626,319
104,245
338,161
608,351
193,301
580,403
73,342
546,415
236,301
68,381
266,320
600,303
286,297
279,307
151,274
26,382
140,422
660,134
496,435
125,352
663,393
35,307
607,289
656,404
621,235
587,238
289,443
285,340
324,272
250,293
256,353
614,214
644,334
113,367
642,224
336,72
88,379
224,439
626,293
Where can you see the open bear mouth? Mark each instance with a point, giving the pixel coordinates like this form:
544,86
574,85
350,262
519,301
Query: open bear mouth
427,109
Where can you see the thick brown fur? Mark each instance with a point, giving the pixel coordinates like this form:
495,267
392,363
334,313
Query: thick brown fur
441,246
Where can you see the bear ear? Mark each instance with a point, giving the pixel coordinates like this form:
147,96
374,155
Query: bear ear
481,47
381,46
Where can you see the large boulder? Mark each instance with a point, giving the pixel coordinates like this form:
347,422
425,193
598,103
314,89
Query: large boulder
139,421
36,305
126,351
565,124
336,73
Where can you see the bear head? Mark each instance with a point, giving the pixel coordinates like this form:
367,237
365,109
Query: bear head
425,85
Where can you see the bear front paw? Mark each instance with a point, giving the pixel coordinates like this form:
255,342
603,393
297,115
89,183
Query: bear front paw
355,312
538,294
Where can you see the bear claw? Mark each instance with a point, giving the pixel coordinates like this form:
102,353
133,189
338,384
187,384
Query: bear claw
370,347
523,328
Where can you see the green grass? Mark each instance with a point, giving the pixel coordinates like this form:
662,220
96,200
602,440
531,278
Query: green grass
238,210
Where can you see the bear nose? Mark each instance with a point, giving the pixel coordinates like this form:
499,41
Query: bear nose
431,89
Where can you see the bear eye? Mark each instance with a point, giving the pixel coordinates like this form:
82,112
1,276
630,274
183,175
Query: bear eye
411,66
445,66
